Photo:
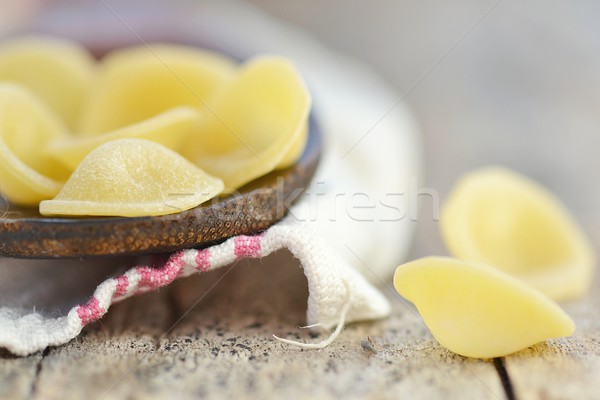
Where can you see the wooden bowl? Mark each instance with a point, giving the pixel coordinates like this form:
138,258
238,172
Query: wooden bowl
24,233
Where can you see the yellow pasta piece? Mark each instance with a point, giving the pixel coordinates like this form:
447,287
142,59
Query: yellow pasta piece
169,128
133,177
501,218
295,150
137,83
60,72
256,124
27,175
479,311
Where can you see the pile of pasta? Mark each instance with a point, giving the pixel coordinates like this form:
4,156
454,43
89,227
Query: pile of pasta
148,130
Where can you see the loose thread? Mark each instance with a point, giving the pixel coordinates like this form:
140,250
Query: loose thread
331,338
310,326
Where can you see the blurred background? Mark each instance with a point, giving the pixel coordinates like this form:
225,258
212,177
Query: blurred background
491,82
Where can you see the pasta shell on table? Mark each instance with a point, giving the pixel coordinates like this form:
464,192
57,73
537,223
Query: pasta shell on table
27,125
479,311
132,177
257,123
137,83
170,129
503,219
58,71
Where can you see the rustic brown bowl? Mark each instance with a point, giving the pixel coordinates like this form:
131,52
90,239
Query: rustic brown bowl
24,233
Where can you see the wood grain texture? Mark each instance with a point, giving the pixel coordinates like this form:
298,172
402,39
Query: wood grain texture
522,89
222,347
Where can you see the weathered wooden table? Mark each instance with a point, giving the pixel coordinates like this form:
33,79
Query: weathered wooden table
521,89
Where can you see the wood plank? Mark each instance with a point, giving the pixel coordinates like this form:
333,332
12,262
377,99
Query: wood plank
18,375
563,368
224,347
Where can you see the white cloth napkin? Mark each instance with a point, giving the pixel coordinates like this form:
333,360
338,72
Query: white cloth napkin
333,287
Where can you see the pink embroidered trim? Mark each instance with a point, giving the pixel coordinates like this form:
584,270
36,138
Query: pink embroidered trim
145,278
247,246
122,284
90,312
203,260
153,278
